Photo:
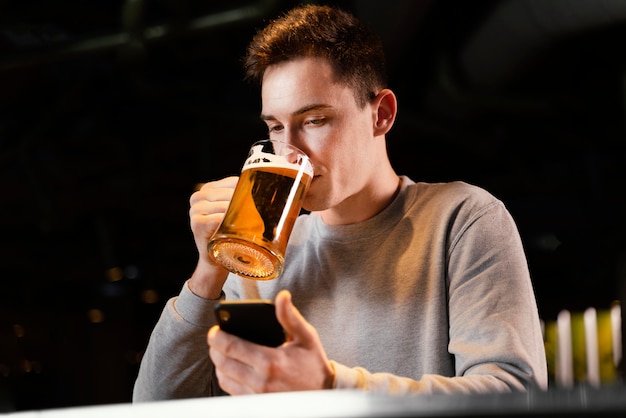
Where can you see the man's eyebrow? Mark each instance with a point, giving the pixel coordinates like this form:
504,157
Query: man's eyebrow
300,111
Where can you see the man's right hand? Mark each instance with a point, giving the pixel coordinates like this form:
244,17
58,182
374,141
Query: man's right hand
207,208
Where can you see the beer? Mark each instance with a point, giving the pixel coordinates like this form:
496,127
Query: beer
253,235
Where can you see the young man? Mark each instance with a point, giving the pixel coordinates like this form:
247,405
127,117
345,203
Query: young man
389,285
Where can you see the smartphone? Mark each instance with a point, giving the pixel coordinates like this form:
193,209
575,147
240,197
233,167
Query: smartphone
251,319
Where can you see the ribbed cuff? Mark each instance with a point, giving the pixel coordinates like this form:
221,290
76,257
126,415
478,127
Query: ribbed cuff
345,377
196,309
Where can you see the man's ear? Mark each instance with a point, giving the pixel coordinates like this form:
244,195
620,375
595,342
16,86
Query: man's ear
385,106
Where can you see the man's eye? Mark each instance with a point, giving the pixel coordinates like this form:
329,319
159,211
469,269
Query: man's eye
276,128
315,121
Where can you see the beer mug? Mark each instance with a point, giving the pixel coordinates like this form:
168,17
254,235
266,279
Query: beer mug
252,238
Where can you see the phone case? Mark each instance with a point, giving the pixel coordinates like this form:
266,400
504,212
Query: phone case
251,319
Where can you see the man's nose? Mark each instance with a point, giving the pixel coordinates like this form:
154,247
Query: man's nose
293,137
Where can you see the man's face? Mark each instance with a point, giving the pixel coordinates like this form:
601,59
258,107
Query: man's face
303,105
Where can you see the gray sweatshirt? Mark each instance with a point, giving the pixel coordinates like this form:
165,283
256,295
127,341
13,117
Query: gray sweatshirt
432,295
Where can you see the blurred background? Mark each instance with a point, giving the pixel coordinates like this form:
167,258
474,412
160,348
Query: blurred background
111,111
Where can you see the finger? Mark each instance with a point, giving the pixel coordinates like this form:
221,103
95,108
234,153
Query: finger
204,207
215,190
204,223
224,183
210,336
237,348
233,359
232,387
233,376
296,327
228,182
211,195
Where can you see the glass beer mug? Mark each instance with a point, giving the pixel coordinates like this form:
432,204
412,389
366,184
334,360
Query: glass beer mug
252,238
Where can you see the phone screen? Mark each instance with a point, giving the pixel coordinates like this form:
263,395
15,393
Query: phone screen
251,319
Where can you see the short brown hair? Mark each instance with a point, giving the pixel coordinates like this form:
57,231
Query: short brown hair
354,51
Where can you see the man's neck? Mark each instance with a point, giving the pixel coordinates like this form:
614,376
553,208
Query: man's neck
367,203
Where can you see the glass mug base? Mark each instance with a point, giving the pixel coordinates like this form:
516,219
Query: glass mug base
246,259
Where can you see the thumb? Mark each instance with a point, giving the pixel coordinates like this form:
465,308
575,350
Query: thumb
296,327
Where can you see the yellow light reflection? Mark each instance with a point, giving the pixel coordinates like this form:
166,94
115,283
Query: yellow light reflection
95,316
19,330
149,296
114,274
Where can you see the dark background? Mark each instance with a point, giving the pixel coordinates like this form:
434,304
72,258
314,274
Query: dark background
112,111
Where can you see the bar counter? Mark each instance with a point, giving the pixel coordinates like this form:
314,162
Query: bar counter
578,402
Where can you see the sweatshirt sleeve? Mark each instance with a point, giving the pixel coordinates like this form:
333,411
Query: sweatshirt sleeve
176,363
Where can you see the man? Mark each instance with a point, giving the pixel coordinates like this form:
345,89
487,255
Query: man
389,285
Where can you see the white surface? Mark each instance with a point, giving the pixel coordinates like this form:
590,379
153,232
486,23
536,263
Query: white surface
335,403
610,401
590,318
564,356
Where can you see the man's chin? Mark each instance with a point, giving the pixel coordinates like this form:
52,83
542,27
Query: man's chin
311,205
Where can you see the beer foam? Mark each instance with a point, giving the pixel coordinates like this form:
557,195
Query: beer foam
258,158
